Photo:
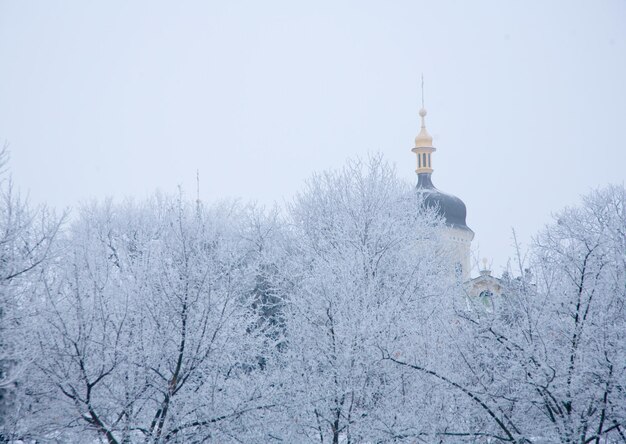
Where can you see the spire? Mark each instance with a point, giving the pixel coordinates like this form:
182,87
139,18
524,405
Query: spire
423,142
423,139
422,90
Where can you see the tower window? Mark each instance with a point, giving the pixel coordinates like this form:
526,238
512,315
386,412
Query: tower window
428,160
419,161
424,159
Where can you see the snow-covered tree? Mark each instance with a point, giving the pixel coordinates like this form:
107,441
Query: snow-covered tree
549,364
145,334
26,239
366,271
573,332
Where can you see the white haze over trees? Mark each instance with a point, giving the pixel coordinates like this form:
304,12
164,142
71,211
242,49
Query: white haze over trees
338,319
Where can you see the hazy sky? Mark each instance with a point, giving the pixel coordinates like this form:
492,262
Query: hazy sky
526,100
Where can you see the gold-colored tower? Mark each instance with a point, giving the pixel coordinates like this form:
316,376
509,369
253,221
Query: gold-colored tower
424,147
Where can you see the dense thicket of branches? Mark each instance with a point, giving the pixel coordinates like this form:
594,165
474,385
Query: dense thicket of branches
26,243
338,319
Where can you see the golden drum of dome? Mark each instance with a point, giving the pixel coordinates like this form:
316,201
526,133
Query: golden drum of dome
423,148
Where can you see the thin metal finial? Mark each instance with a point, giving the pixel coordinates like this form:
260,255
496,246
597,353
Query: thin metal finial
422,90
422,109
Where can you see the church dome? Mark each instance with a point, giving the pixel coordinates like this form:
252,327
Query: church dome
451,208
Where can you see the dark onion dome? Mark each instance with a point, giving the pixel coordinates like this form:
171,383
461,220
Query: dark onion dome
451,208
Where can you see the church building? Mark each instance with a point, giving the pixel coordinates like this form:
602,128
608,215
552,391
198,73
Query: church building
453,211
450,207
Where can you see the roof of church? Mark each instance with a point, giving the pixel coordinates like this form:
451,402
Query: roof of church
450,207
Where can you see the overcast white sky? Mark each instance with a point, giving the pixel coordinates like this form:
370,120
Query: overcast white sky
526,99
